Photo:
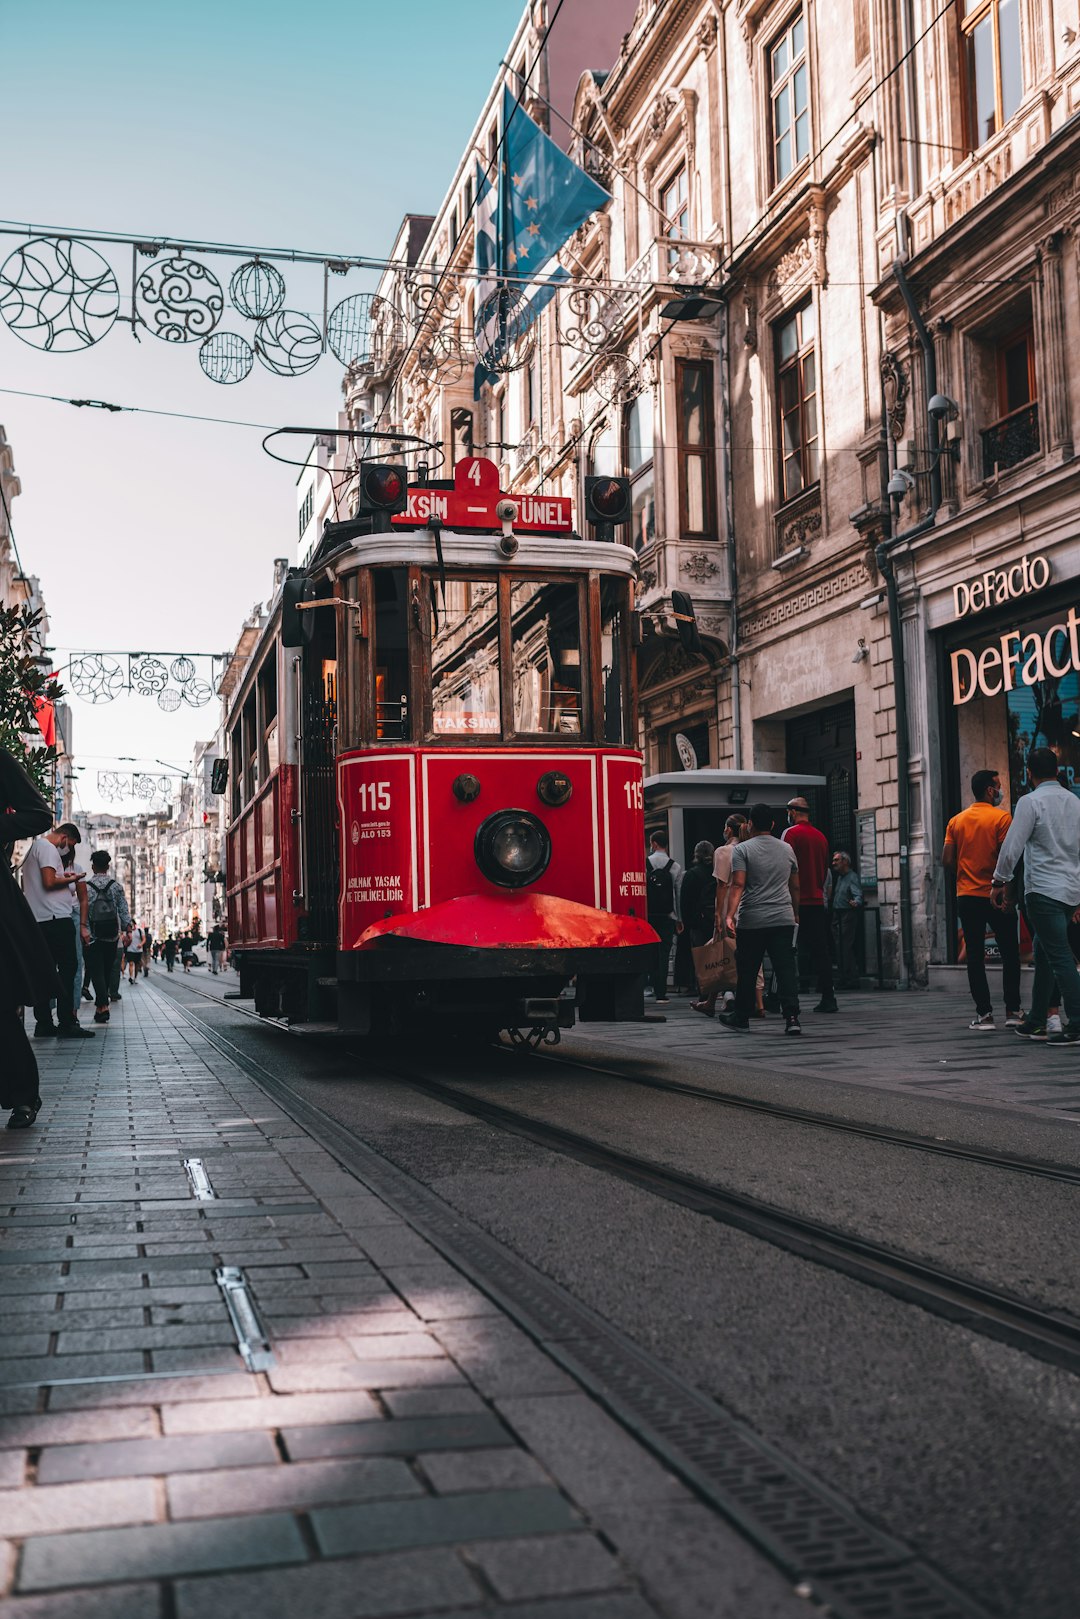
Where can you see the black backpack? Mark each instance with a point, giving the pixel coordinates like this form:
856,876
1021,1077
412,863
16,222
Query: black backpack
102,916
660,889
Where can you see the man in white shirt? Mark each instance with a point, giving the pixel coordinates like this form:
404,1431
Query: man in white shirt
1046,831
48,889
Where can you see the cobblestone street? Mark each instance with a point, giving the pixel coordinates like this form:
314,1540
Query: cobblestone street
404,1448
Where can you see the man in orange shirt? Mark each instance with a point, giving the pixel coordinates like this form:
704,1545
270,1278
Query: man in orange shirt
972,841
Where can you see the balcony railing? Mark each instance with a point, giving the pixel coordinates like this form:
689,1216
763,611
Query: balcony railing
1011,440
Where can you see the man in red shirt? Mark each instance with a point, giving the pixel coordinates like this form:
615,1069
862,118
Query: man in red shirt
811,849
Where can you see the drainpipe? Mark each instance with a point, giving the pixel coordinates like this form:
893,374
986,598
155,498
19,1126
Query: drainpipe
884,557
729,517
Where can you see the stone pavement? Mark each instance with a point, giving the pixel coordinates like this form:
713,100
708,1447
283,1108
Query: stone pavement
916,1041
400,1447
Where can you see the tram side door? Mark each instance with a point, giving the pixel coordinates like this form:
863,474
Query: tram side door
317,711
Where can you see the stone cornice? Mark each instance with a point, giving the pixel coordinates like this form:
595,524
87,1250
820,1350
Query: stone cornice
633,80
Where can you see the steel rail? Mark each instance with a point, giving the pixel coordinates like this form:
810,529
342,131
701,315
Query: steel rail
986,1310
1044,1334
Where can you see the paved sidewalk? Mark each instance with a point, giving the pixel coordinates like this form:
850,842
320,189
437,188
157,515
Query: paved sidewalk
406,1449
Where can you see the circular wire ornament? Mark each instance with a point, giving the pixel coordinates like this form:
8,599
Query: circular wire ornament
288,343
357,326
148,676
145,786
226,357
169,700
179,300
95,679
257,290
182,669
57,294
197,693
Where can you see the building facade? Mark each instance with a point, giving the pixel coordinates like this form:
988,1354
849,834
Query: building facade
859,462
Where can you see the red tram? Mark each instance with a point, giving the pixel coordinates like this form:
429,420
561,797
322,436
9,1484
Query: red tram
436,804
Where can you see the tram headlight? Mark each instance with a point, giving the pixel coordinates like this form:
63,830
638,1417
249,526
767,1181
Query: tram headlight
512,848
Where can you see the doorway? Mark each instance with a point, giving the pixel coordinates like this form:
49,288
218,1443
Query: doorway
822,743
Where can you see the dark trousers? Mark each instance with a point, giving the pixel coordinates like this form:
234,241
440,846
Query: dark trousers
19,1069
116,971
59,936
665,927
974,913
1049,920
99,955
847,926
751,947
815,954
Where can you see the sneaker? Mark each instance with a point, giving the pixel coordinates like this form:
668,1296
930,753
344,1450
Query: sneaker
1030,1031
43,1031
101,1017
827,1004
75,1033
793,1026
986,1021
117,997
1053,1023
1067,1036
87,994
1013,1020
731,1021
661,1000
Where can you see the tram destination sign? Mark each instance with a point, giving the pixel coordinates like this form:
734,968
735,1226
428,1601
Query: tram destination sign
473,500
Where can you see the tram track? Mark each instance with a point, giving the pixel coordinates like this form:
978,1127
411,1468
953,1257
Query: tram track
1047,1335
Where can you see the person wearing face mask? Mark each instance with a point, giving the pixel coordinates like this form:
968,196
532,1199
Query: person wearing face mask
973,840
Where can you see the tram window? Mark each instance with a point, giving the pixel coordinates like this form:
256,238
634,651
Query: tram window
544,634
465,658
391,654
612,656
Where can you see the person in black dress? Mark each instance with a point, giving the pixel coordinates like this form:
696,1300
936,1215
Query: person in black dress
27,971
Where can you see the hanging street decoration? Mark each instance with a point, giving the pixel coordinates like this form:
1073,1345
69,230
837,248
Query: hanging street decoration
257,289
226,357
288,343
179,300
99,677
58,295
116,785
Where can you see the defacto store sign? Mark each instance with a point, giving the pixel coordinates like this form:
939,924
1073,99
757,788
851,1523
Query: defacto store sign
998,586
1017,658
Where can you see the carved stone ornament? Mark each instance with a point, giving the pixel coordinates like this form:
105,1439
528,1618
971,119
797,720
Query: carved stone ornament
796,265
896,385
707,34
750,310
1060,197
663,107
699,567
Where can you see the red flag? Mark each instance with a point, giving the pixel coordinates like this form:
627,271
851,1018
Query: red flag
45,713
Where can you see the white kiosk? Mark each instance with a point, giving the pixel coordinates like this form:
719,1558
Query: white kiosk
694,804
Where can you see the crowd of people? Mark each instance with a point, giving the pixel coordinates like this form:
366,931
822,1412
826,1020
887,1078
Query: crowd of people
791,899
66,935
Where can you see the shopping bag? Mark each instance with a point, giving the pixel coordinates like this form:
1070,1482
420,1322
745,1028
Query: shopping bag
714,965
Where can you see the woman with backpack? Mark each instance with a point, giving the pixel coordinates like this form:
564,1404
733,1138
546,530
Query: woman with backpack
106,913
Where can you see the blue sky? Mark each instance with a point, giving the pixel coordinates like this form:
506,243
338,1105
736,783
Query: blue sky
314,127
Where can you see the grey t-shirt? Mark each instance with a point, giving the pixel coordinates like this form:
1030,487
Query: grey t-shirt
768,864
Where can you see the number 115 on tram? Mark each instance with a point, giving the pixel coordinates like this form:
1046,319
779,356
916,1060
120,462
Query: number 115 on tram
436,806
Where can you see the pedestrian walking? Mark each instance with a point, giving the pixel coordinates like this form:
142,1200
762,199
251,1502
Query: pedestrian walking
811,849
148,940
1046,831
48,888
27,971
843,904
168,950
133,949
697,899
662,875
187,951
78,919
215,943
973,841
721,871
107,914
764,888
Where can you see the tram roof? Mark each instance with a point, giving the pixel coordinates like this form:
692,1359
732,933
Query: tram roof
461,549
